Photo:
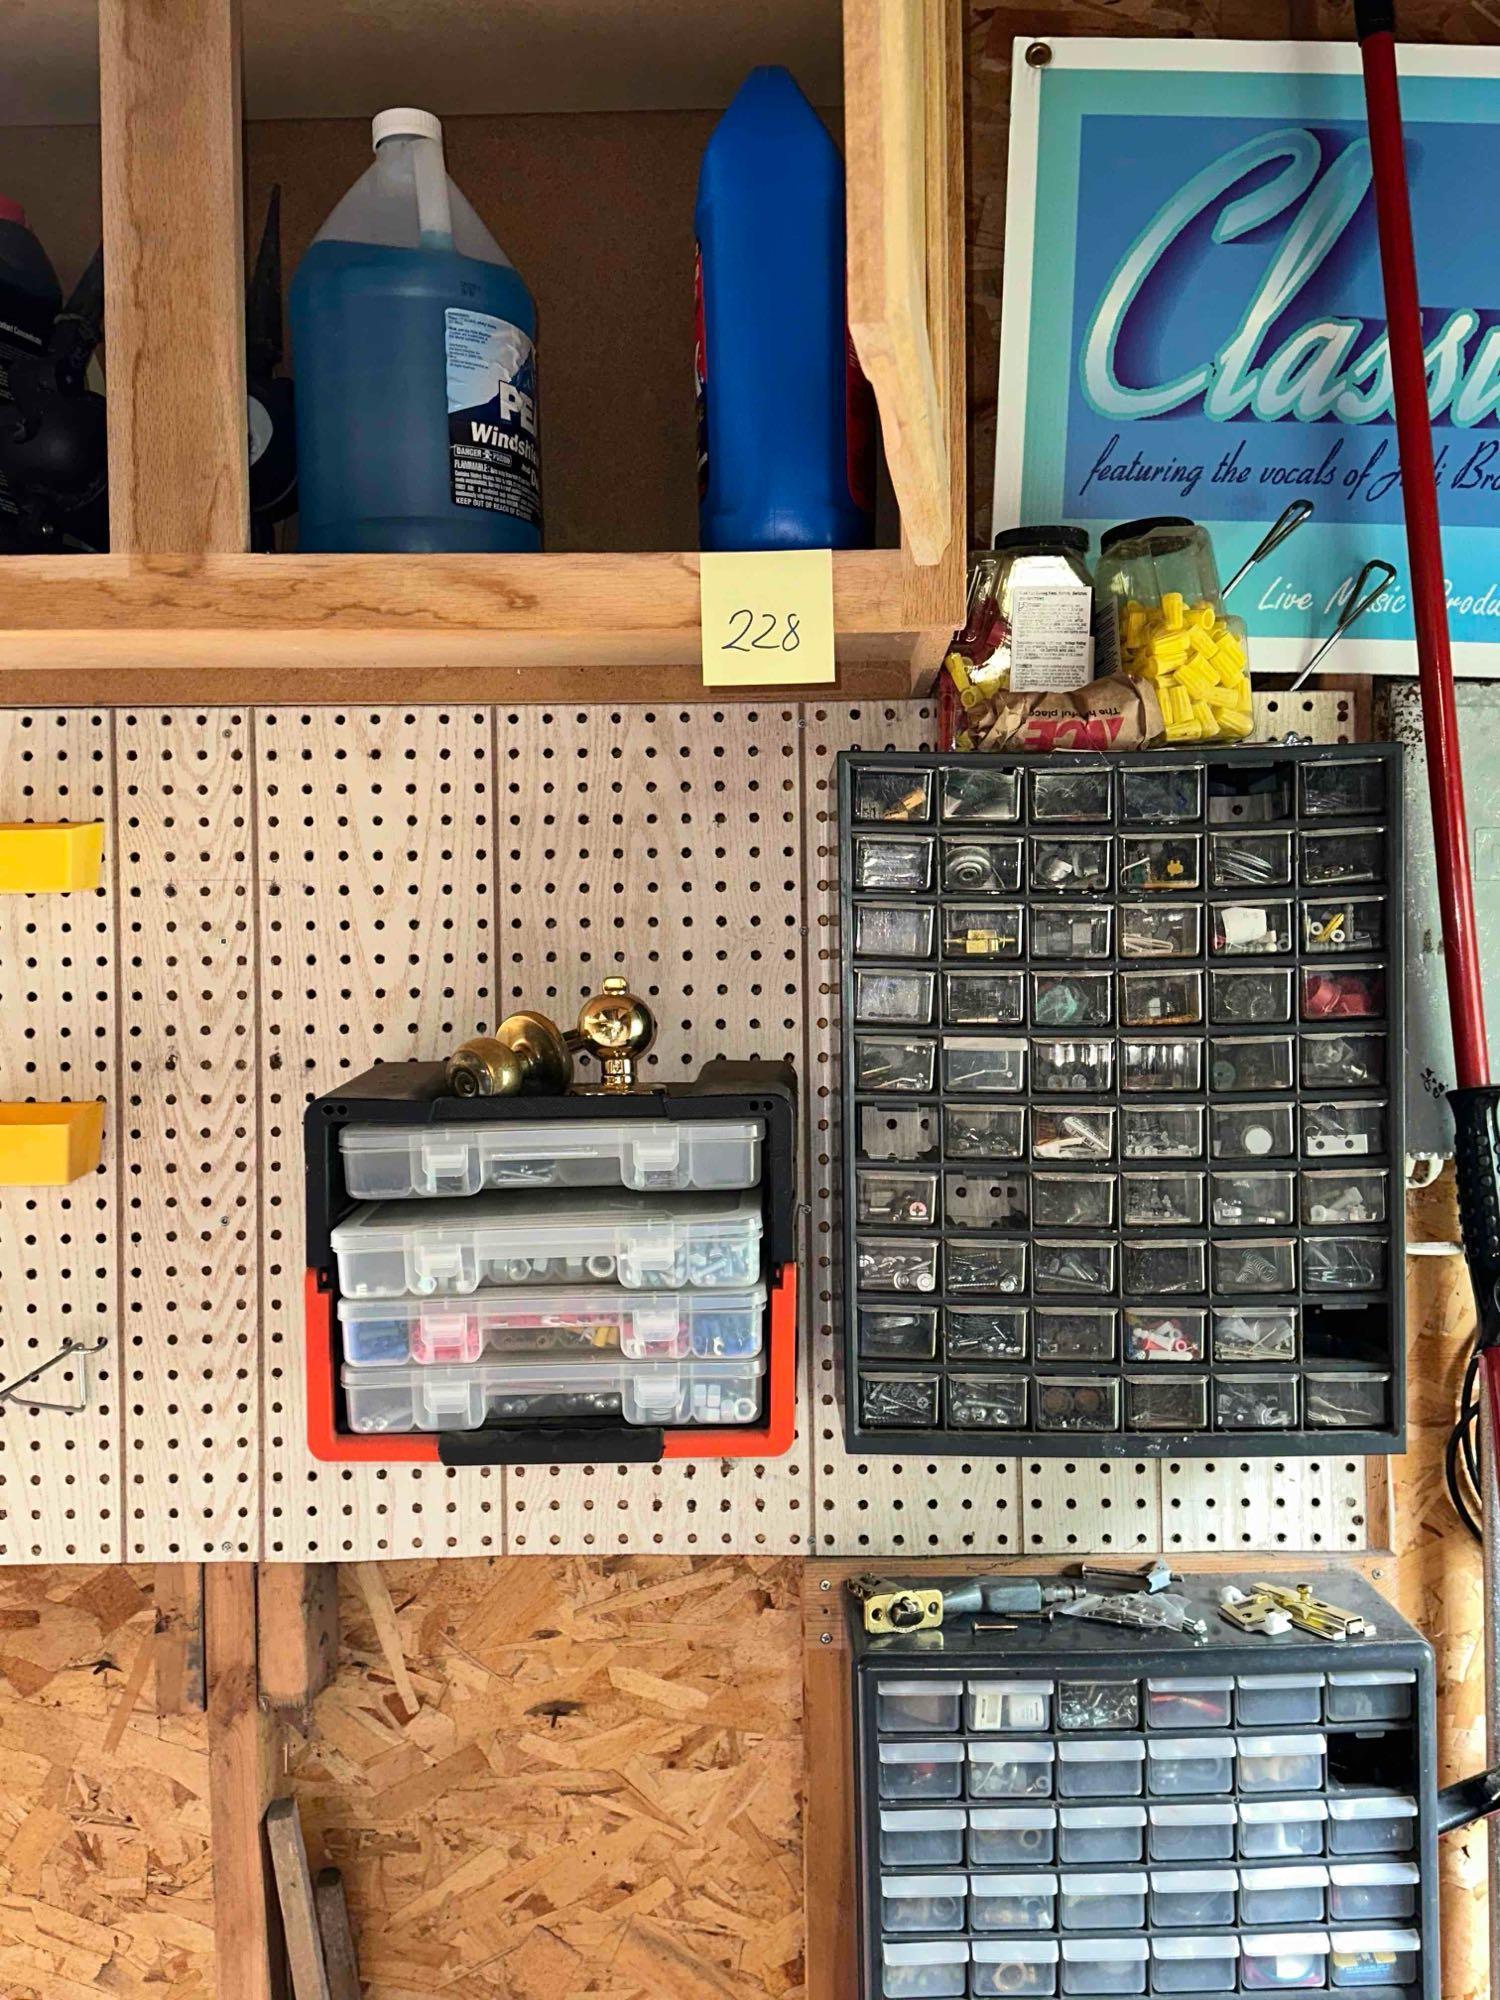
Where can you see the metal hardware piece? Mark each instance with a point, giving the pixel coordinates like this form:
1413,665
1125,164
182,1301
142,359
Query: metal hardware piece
10,1392
1270,1608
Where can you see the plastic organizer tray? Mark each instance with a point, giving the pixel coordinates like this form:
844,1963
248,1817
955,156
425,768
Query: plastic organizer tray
393,1162
450,1249
664,1326
449,1398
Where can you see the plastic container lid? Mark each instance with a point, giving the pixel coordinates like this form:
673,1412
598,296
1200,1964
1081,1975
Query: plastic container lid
936,1819
1371,1874
1214,1812
927,1951
1129,531
924,1885
1306,1875
1382,1677
1182,1881
1040,540
920,1753
1014,1951
652,1150
1133,1751
404,122
1385,1806
1191,1685
1014,1884
1174,1748
926,1687
1274,1944
1021,1751
1103,1816
1283,1746
1121,1882
1012,1819
1377,1941
1195,1947
1091,1950
1011,1687
1257,1681
1259,1812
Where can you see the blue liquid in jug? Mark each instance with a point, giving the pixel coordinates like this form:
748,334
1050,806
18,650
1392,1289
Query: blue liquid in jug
370,359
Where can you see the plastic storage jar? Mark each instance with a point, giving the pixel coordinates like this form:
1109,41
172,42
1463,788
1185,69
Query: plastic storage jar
1029,568
1104,1965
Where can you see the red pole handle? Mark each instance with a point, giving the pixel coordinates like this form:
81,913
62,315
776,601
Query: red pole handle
1375,25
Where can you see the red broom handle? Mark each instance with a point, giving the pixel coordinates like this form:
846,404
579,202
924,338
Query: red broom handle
1375,25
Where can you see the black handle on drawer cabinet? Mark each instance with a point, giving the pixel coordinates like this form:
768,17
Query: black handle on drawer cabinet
1460,1804
631,1444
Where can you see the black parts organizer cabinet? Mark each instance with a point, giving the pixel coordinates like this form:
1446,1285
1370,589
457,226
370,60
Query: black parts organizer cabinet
1121,1101
1073,1808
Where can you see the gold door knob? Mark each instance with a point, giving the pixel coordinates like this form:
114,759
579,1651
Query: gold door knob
526,1052
619,1028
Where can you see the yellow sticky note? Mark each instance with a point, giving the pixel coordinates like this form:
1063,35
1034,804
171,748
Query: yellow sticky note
767,617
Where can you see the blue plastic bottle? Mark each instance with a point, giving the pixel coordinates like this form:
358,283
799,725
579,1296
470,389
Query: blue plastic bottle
414,351
785,437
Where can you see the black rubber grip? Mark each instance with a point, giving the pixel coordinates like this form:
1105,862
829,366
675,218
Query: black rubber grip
1460,1804
1374,17
1476,1159
630,1444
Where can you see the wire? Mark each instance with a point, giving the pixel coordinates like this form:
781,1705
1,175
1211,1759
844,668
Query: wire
1461,1453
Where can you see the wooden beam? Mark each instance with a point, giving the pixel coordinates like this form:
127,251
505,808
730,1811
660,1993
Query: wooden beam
339,1959
178,1643
294,1893
297,1614
246,1942
174,289
831,1893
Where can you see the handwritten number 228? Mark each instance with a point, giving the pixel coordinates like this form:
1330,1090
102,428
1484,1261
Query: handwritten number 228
765,641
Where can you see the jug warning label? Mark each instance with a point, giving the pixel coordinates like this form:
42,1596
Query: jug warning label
492,415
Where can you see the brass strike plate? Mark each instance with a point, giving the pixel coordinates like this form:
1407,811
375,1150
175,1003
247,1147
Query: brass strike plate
904,1611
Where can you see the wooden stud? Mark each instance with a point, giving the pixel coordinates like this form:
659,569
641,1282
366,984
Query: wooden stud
169,139
339,1959
294,1893
372,1588
888,155
179,1638
297,1612
831,1891
239,1786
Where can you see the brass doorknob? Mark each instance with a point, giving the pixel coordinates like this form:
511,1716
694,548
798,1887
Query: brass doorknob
619,1028
527,1052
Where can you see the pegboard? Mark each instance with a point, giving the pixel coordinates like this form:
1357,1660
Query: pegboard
294,894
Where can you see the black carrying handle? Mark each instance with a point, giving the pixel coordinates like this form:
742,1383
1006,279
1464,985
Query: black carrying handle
1470,1799
1476,1160
630,1444
1374,17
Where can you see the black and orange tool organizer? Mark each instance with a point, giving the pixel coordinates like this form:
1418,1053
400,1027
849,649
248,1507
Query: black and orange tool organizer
413,1095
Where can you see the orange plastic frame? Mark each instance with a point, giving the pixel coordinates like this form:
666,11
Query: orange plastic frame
767,1440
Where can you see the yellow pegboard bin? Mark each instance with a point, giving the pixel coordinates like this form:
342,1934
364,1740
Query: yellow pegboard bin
48,1145
50,857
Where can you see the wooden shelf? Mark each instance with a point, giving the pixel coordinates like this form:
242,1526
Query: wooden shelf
233,628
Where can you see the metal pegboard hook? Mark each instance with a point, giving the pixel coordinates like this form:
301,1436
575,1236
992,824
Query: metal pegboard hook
10,1392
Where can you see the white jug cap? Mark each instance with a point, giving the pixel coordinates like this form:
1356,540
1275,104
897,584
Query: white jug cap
404,123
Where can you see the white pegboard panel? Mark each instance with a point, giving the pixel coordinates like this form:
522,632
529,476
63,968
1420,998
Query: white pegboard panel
186,1134
375,893
663,843
60,1474
293,895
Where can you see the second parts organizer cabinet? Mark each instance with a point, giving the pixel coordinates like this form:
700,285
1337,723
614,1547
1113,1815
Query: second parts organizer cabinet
1074,1808
596,1275
1122,1101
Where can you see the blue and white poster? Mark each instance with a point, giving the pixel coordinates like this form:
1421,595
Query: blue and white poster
1194,321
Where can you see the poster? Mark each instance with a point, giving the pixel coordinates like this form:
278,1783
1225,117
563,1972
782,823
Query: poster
1194,322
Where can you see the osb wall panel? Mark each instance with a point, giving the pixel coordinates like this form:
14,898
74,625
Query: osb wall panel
597,1790
105,1878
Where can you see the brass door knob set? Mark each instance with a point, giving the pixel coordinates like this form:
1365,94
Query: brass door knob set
529,1052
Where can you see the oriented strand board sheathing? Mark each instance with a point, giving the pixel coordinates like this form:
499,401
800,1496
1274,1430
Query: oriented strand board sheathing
599,1791
104,1824
61,1248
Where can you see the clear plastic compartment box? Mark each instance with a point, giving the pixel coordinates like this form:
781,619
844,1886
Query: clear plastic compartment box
932,1969
394,1162
1104,1902
1203,1832
923,1902
1189,1766
1383,1959
1017,1965
1383,1823
1270,1827
1193,1898
1012,1902
1101,1833
1282,1763
1093,1769
1278,1698
452,1397
451,1248
1361,1890
1384,1695
1278,1961
1104,1965
1011,1770
1189,1702
1007,1836
932,1838
921,1770
920,1704
1292,1894
668,1326
1194,1964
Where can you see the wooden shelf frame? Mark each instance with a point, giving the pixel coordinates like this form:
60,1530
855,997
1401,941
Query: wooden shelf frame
178,612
